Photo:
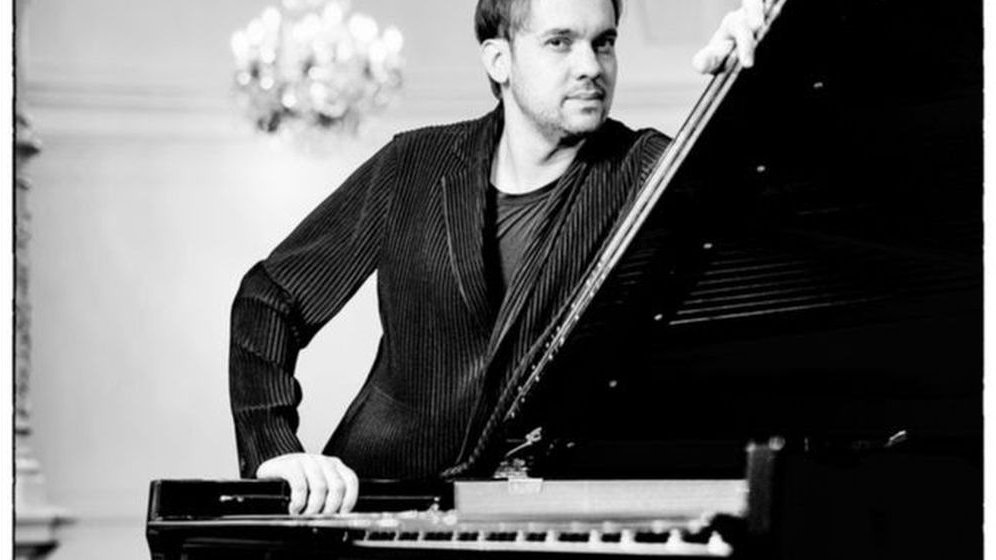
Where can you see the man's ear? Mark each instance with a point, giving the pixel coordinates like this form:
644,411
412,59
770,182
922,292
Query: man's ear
495,55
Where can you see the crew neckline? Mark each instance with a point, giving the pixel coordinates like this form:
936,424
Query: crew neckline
526,197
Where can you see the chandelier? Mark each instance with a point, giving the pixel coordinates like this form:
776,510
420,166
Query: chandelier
311,65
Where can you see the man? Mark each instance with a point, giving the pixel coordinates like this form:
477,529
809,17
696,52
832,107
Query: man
477,230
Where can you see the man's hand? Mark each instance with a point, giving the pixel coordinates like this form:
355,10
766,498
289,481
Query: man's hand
737,29
319,484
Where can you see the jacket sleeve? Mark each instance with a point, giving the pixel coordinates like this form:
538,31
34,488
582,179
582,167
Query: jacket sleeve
285,299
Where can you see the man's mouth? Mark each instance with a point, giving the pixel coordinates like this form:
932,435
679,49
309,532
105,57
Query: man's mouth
587,91
588,95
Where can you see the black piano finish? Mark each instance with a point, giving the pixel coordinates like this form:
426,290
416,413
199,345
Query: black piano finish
815,267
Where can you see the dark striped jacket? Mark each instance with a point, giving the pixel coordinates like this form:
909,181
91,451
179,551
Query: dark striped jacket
415,213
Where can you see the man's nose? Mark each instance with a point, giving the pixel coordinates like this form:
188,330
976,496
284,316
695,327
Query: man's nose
586,62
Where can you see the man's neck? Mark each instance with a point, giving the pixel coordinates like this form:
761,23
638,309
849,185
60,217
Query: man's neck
526,158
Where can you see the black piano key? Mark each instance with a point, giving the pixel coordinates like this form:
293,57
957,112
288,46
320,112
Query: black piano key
536,536
571,536
468,536
438,536
408,536
611,537
650,537
354,535
501,536
700,537
381,535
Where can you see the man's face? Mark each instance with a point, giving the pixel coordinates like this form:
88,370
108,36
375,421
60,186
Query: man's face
563,66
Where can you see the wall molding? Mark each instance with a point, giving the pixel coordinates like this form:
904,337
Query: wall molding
121,108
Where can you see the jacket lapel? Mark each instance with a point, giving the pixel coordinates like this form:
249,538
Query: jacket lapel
524,281
464,212
464,190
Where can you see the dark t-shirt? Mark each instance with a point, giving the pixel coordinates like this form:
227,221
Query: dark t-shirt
517,220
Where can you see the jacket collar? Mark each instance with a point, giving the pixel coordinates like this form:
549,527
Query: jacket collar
476,143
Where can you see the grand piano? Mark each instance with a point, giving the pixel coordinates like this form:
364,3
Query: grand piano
777,353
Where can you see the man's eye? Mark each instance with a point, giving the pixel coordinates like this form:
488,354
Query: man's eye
559,42
605,45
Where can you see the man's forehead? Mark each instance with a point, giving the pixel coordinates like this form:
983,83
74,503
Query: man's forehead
538,16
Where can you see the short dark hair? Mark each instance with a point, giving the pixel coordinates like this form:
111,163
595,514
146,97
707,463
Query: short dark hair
500,19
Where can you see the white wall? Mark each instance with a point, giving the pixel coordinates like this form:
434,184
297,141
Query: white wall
151,199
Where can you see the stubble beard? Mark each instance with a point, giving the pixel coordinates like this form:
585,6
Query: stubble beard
553,121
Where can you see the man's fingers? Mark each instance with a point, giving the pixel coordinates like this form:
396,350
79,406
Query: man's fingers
299,489
735,24
701,61
333,499
317,486
351,489
710,59
754,12
745,33
295,477
737,30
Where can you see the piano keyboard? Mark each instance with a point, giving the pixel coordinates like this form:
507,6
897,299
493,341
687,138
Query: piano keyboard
446,531
662,539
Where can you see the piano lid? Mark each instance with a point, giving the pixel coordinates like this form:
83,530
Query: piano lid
814,263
